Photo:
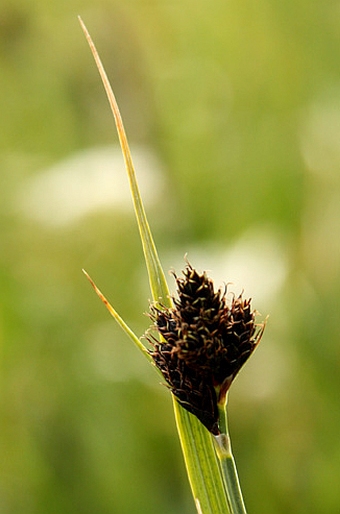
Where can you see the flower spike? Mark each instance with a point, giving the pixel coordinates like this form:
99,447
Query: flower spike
204,343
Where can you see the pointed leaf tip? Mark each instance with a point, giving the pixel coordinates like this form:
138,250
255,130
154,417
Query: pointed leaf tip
158,284
118,318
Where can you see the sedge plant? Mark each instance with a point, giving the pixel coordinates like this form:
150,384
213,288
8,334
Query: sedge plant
198,343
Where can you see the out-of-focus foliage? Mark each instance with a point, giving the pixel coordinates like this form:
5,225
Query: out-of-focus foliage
240,103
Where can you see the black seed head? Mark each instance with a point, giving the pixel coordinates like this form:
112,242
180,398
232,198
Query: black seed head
204,343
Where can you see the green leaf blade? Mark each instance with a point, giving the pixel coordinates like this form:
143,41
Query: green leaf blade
199,454
118,318
158,284
201,463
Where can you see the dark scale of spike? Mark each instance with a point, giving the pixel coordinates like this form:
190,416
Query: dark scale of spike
204,344
193,391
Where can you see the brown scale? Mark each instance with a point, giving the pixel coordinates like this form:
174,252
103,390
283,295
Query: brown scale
204,344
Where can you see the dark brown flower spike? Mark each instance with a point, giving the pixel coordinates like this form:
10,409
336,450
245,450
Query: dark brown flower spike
204,343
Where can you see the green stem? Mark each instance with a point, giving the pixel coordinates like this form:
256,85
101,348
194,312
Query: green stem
203,466
204,471
227,464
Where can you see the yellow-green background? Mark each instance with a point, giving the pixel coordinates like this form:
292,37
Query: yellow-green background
240,102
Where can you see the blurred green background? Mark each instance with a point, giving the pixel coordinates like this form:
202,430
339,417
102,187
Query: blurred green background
233,114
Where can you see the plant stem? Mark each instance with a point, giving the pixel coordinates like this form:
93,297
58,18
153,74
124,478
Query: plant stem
227,464
202,464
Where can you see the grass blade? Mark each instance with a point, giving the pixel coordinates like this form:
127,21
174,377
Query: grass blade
202,465
200,457
158,284
118,319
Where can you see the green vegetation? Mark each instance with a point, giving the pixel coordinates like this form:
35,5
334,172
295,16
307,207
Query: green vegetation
241,104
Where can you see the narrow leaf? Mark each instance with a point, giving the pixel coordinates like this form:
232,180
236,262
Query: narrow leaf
119,320
158,285
200,457
203,468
